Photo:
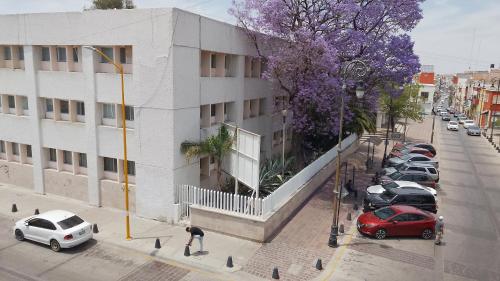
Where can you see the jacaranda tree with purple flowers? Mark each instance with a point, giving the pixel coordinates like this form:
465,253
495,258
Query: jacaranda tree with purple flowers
305,44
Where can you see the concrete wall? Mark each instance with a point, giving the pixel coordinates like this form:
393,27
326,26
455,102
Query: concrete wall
66,184
16,174
262,230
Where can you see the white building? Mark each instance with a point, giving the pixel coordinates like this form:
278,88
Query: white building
427,87
60,114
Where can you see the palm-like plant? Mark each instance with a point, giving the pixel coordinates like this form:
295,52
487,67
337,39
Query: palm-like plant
216,146
270,176
363,120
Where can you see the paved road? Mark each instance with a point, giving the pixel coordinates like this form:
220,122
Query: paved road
469,199
27,261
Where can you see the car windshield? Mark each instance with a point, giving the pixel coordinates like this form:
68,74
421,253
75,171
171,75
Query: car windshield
70,222
387,195
453,123
405,157
474,127
395,175
390,185
384,213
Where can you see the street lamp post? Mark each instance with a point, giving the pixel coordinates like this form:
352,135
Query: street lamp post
355,70
119,67
283,113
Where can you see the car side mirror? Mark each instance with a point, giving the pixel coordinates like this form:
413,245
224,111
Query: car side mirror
26,223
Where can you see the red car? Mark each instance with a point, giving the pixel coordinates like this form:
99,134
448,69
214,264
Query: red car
397,220
417,150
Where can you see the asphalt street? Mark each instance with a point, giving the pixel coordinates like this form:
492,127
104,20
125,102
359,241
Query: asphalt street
469,200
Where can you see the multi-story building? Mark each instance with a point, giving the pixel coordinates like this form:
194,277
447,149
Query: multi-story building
427,87
60,129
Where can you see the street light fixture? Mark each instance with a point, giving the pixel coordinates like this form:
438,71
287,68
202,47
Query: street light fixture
284,114
124,127
355,70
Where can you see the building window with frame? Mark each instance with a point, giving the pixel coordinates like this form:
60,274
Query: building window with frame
110,164
82,160
15,148
64,106
61,54
212,110
213,61
24,103
123,55
7,54
108,51
20,52
108,111
67,157
12,101
2,147
131,168
29,153
52,155
129,113
80,108
75,54
45,54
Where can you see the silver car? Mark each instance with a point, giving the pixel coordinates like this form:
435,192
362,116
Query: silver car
428,169
473,131
412,158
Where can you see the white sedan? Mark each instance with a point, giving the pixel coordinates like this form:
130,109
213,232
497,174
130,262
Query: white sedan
380,188
452,125
57,228
468,123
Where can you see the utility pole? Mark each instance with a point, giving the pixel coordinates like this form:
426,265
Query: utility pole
433,122
387,133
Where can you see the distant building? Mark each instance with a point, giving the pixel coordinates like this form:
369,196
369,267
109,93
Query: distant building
426,79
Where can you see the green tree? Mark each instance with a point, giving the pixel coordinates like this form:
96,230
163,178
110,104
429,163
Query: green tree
404,106
217,147
363,120
113,4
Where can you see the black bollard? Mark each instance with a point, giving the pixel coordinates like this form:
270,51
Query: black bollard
332,242
349,216
37,212
341,228
186,251
229,262
94,228
276,275
14,208
157,244
319,265
355,207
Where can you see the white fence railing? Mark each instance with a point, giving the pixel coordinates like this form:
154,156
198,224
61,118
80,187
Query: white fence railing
187,195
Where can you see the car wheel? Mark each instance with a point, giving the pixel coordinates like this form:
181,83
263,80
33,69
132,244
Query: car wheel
381,234
19,235
54,245
427,234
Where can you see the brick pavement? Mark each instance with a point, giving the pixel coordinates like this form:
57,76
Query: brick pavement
305,238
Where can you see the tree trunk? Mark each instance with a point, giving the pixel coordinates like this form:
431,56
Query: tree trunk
219,173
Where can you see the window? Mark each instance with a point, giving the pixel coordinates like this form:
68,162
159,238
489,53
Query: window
415,217
61,54
123,55
108,111
131,168
49,105
28,151
384,213
20,53
108,52
402,217
110,165
2,147
45,54
12,102
15,148
24,102
424,95
212,110
432,171
227,61
64,105
70,222
67,157
52,155
213,60
80,108
75,54
7,55
82,160
41,223
129,113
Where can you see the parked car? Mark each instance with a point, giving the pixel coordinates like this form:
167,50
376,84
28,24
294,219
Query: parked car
468,123
411,176
400,146
412,158
452,126
445,117
418,198
425,168
461,119
397,220
411,149
57,228
387,183
473,130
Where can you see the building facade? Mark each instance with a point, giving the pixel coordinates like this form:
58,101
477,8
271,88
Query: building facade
426,79
60,103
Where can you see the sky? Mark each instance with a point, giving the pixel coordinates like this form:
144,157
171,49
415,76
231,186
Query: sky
454,35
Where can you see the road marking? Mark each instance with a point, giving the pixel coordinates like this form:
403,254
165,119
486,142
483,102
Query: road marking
338,255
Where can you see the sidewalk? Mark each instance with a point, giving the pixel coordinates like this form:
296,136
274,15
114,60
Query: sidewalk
111,225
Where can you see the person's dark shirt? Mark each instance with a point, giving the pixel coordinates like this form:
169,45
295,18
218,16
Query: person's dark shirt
196,231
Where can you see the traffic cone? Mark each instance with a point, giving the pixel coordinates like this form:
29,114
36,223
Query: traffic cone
94,228
229,262
157,244
341,228
37,212
349,216
186,251
276,275
14,208
319,265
